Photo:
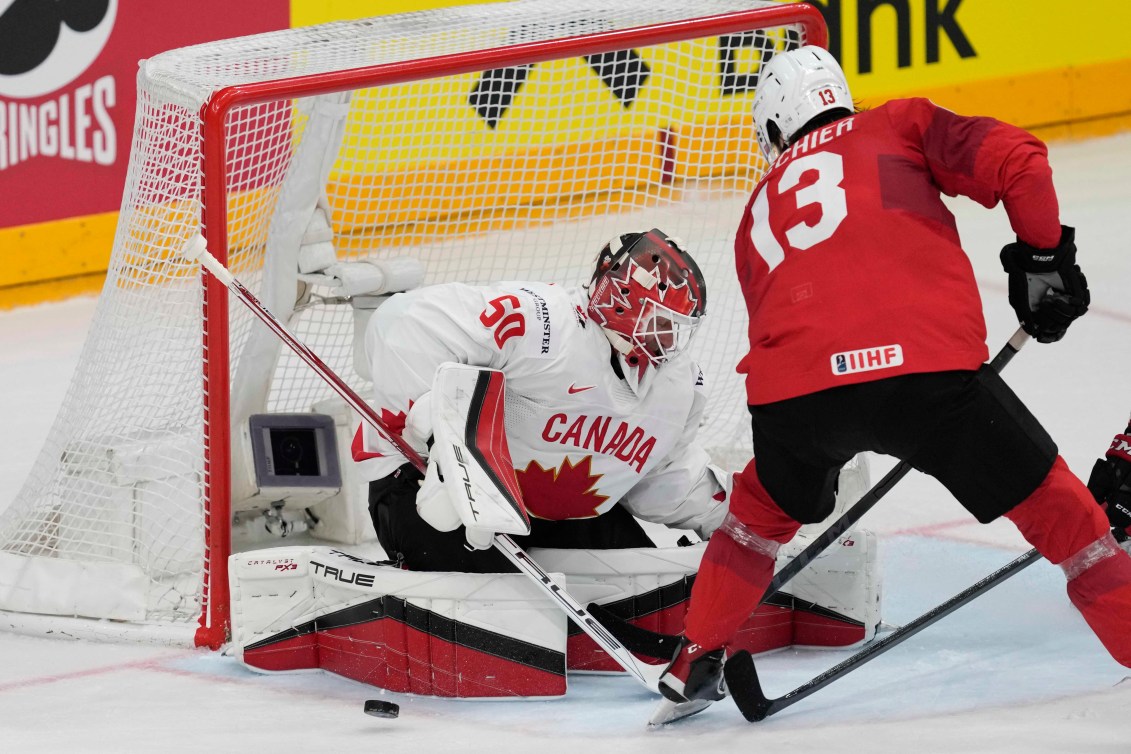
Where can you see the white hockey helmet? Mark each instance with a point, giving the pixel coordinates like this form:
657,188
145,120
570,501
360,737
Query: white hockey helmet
795,87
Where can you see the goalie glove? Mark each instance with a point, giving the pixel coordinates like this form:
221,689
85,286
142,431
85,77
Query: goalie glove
432,503
1110,484
1047,290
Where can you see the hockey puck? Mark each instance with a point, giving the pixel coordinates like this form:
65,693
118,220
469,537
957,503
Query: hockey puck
379,708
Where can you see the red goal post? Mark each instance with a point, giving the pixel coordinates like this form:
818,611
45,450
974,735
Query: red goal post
244,139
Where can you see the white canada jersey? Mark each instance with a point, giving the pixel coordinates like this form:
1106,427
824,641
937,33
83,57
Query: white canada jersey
580,439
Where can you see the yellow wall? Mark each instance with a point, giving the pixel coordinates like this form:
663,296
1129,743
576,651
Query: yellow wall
1032,65
1023,63
310,12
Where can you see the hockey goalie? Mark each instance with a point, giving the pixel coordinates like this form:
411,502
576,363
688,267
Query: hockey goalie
588,429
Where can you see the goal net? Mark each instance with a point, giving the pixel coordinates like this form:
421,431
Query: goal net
503,141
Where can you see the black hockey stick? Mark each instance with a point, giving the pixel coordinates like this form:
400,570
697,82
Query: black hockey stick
746,690
662,646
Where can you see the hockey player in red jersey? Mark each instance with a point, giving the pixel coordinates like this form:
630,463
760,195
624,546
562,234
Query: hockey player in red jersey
603,405
866,333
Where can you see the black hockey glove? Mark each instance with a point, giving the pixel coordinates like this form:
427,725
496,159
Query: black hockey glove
1046,287
1110,484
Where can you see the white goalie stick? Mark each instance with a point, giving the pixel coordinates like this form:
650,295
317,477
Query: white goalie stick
648,675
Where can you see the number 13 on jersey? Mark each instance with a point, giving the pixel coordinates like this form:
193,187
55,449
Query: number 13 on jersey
825,191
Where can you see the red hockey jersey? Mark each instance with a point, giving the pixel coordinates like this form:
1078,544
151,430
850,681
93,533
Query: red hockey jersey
849,260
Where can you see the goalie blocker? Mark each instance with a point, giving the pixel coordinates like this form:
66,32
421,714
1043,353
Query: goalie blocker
497,635
470,478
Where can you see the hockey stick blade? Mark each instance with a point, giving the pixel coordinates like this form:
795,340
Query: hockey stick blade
745,688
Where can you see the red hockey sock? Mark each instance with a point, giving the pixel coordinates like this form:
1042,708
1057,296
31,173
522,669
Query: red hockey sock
738,563
1102,594
1062,520
731,580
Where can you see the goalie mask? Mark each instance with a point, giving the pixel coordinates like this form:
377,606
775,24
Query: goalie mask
648,296
793,89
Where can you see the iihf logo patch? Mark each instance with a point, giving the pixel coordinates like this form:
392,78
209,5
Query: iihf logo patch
867,359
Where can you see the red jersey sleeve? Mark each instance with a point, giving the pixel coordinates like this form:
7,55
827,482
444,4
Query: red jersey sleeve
985,160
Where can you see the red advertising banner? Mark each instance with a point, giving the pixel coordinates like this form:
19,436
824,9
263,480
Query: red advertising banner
68,86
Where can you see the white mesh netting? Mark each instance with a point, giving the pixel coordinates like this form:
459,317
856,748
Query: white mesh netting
516,171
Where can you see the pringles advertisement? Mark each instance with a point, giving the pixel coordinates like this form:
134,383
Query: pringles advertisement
60,112
67,91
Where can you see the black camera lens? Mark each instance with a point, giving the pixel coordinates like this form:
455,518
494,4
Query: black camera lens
294,452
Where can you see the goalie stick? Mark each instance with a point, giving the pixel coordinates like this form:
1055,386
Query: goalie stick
662,646
196,249
746,689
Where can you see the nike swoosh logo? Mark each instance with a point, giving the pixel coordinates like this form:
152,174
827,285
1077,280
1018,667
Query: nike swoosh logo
575,389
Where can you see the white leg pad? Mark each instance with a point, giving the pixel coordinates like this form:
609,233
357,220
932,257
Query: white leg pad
833,602
836,598
649,586
436,633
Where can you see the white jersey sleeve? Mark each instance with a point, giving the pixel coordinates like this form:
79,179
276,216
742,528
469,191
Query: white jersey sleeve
411,335
685,491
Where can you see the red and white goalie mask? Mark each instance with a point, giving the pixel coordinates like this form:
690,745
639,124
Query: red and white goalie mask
648,296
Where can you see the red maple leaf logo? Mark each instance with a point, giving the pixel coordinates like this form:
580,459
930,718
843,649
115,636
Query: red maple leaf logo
557,494
395,422
679,296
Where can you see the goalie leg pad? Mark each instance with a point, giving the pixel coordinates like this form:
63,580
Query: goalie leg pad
834,602
484,636
647,586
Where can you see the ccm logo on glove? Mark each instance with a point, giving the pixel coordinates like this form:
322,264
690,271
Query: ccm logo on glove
1120,448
